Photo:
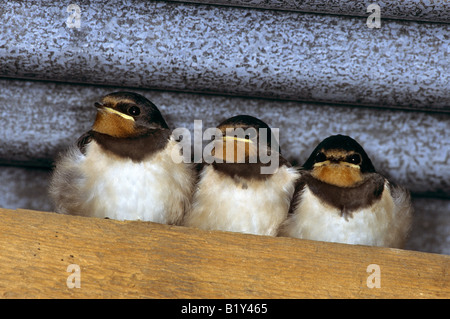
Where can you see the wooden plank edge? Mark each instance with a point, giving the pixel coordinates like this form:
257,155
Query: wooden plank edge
42,251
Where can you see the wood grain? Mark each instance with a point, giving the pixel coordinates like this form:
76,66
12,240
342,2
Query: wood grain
146,260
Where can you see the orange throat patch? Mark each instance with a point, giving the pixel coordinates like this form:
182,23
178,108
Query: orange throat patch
113,125
237,151
337,174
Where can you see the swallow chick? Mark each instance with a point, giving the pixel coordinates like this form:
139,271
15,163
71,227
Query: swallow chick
341,198
123,168
232,194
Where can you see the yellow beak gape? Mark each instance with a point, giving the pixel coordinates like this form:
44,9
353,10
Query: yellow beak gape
125,116
240,139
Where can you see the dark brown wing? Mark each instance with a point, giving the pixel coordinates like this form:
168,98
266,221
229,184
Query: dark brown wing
83,141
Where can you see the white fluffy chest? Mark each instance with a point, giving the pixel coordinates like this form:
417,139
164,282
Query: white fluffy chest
315,220
155,190
256,207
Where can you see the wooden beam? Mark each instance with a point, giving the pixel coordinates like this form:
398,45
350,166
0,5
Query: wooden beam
146,260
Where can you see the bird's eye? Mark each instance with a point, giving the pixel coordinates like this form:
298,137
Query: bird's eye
320,157
134,110
354,159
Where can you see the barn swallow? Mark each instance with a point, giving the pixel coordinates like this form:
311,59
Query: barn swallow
341,198
232,193
123,167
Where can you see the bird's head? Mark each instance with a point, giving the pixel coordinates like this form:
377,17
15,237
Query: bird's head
339,160
242,138
127,114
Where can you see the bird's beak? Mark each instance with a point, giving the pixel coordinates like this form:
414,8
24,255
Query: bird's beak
103,108
239,139
238,149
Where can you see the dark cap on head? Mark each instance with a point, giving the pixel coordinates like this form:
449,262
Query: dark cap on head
340,143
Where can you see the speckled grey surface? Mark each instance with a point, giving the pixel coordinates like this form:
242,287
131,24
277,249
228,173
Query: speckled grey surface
228,50
431,226
418,10
413,148
25,188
